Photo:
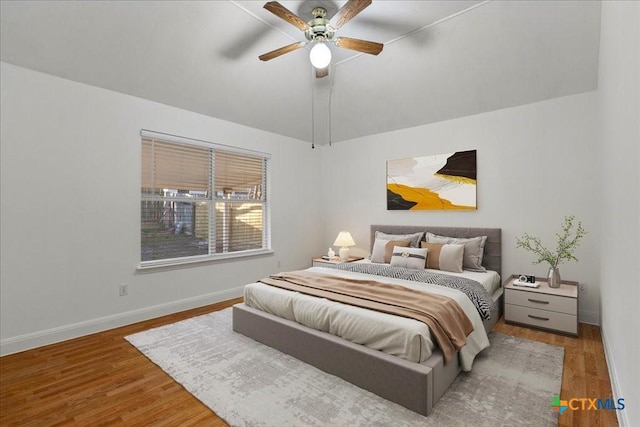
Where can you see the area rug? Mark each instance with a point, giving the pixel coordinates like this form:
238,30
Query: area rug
249,384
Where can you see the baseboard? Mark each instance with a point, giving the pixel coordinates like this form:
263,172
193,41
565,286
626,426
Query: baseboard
75,330
623,420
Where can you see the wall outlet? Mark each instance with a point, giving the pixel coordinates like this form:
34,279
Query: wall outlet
279,264
124,289
582,288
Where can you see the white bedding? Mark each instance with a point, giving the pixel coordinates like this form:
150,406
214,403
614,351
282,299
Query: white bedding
398,336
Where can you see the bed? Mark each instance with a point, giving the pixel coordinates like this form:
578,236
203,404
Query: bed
416,381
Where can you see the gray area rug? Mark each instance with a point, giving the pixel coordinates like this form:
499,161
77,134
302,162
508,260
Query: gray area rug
249,384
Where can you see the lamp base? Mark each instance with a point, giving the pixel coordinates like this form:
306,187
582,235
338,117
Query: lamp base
344,254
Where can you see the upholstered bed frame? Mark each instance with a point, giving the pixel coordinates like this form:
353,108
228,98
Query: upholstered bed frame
417,386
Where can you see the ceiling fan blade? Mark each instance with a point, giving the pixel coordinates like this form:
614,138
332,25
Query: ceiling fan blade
286,49
364,46
322,72
284,13
348,11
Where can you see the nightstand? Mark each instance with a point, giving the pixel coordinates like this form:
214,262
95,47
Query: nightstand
319,262
554,309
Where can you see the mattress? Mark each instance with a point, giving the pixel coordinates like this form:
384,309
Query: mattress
398,336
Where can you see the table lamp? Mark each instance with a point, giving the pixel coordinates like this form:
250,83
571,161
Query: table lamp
344,240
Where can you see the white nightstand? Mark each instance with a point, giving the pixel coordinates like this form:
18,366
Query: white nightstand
554,309
319,262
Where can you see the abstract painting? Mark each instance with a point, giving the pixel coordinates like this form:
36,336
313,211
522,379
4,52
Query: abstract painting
436,182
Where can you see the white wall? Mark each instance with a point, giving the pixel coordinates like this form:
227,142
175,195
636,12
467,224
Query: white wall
536,164
70,210
619,91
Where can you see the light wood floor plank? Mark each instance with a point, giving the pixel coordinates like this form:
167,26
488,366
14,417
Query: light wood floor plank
101,379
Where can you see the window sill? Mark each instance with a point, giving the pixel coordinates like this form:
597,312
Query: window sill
171,264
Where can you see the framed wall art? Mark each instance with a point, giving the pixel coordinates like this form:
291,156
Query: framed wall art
437,182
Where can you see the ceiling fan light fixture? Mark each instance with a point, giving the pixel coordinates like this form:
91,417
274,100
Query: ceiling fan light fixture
320,55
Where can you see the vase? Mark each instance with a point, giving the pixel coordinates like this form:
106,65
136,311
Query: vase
553,278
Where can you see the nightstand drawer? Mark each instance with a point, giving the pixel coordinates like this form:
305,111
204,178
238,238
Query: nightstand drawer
542,301
541,318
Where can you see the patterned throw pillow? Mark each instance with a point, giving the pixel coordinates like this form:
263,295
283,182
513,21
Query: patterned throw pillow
409,257
382,249
445,257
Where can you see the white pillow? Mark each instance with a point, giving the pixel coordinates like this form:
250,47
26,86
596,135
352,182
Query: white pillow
444,256
409,257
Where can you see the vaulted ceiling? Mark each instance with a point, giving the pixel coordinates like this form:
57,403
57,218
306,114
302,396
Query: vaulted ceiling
441,59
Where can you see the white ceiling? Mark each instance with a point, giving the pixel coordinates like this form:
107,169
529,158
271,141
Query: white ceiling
441,60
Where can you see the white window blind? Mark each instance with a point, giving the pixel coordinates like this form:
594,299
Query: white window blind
201,201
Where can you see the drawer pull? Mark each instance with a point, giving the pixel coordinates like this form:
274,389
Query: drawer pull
538,317
538,301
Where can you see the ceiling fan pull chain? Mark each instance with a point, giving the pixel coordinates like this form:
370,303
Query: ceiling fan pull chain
330,105
313,116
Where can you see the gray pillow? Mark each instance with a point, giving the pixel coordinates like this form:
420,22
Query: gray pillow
413,237
473,249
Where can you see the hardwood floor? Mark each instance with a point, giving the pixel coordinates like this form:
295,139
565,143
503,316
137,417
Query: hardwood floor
584,374
101,379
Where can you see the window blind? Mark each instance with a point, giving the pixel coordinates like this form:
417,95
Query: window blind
201,200
167,165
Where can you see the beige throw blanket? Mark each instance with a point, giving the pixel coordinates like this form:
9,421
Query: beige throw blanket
447,321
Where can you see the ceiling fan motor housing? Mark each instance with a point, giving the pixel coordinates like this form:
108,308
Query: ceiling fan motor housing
319,28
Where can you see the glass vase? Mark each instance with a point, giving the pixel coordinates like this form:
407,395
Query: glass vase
553,278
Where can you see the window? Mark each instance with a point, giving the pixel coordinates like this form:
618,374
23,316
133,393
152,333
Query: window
201,201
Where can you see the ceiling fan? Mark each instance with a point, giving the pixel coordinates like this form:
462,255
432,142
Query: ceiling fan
320,30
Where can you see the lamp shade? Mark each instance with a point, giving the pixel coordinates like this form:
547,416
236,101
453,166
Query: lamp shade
320,55
344,240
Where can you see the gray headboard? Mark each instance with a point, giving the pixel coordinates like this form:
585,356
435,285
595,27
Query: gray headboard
492,259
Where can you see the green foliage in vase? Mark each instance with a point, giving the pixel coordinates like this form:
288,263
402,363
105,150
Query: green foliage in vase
568,241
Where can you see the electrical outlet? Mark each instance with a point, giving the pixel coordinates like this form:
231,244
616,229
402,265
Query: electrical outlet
279,264
582,287
124,289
